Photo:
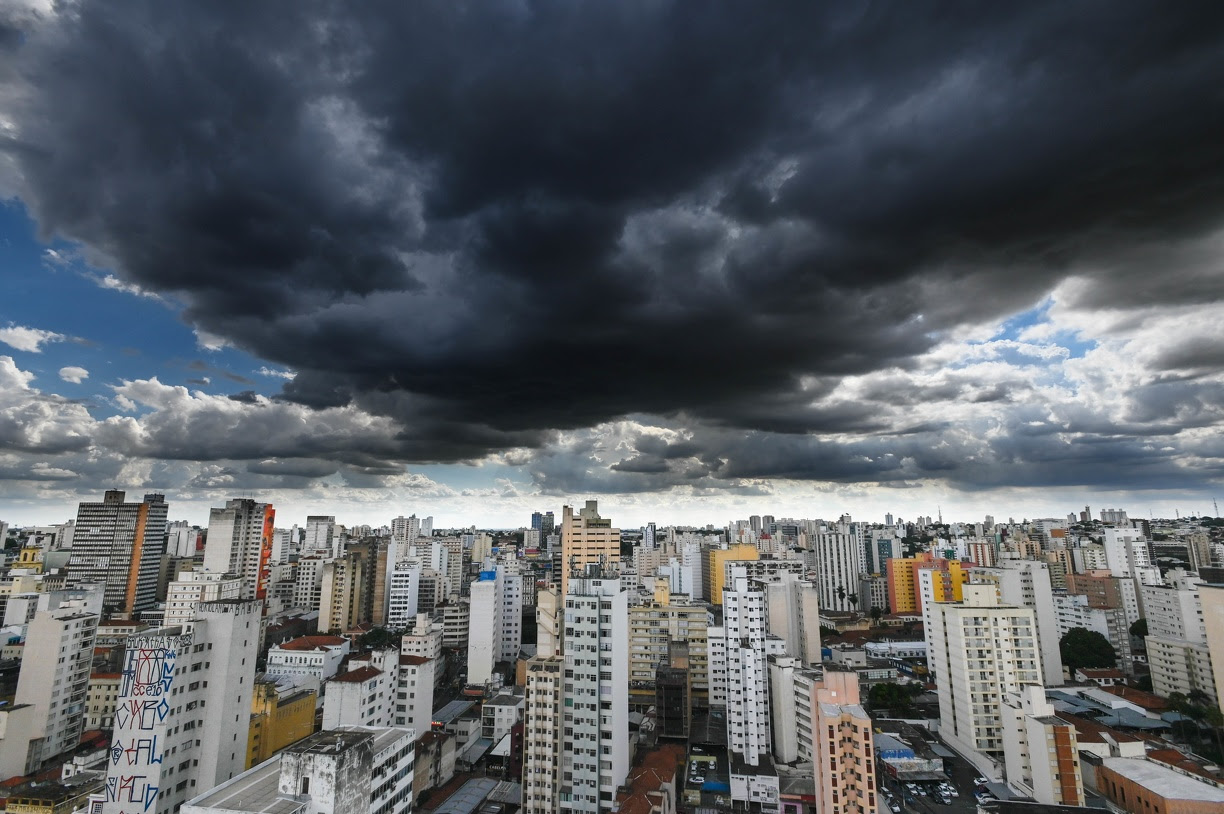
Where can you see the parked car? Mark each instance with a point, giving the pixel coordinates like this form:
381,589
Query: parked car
894,808
981,781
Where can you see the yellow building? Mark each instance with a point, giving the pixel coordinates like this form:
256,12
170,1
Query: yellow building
278,720
904,594
30,559
712,570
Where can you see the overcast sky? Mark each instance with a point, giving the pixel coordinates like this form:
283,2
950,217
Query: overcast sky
696,259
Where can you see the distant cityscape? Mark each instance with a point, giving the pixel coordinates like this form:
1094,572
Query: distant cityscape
767,665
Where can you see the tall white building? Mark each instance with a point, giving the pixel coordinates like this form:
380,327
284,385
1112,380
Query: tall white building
240,542
595,740
193,587
792,613
181,538
308,583
183,713
483,633
1074,610
1026,584
1127,555
495,620
365,694
980,650
403,593
838,554
286,543
1041,750
54,677
321,537
1178,654
415,692
739,669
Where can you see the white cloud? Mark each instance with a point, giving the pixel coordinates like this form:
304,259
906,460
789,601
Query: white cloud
28,339
288,375
73,374
207,341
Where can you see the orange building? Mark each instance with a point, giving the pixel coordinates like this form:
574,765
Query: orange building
1141,786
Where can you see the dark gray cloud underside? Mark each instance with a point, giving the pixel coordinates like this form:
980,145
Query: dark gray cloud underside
490,221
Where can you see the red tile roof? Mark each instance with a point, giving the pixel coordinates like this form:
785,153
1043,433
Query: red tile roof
359,675
313,643
1150,702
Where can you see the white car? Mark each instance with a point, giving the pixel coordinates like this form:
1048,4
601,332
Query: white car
981,781
894,808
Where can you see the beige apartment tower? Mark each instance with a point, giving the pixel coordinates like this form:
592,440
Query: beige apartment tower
587,539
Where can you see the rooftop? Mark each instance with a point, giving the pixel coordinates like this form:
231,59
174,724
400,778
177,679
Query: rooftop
359,675
1101,672
255,791
313,643
1146,700
1163,781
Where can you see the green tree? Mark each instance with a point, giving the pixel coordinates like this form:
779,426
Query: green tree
1139,628
1086,648
378,638
877,613
854,599
891,696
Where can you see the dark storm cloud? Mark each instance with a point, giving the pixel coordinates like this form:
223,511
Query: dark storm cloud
491,221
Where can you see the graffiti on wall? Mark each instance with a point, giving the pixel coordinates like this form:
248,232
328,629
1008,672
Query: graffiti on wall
133,777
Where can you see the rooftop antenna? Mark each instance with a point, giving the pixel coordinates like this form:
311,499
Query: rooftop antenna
1215,506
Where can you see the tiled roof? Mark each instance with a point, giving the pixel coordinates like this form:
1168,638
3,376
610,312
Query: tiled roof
313,643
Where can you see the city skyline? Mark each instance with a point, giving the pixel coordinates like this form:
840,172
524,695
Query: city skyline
697,264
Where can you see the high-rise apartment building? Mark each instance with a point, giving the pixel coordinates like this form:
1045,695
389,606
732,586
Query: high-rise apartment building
1040,750
342,593
495,621
839,550
542,735
980,650
183,715
1178,654
739,670
595,738
120,545
1027,584
403,593
321,537
240,542
54,677
714,567
653,626
792,613
944,584
843,757
193,587
1211,598
587,539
